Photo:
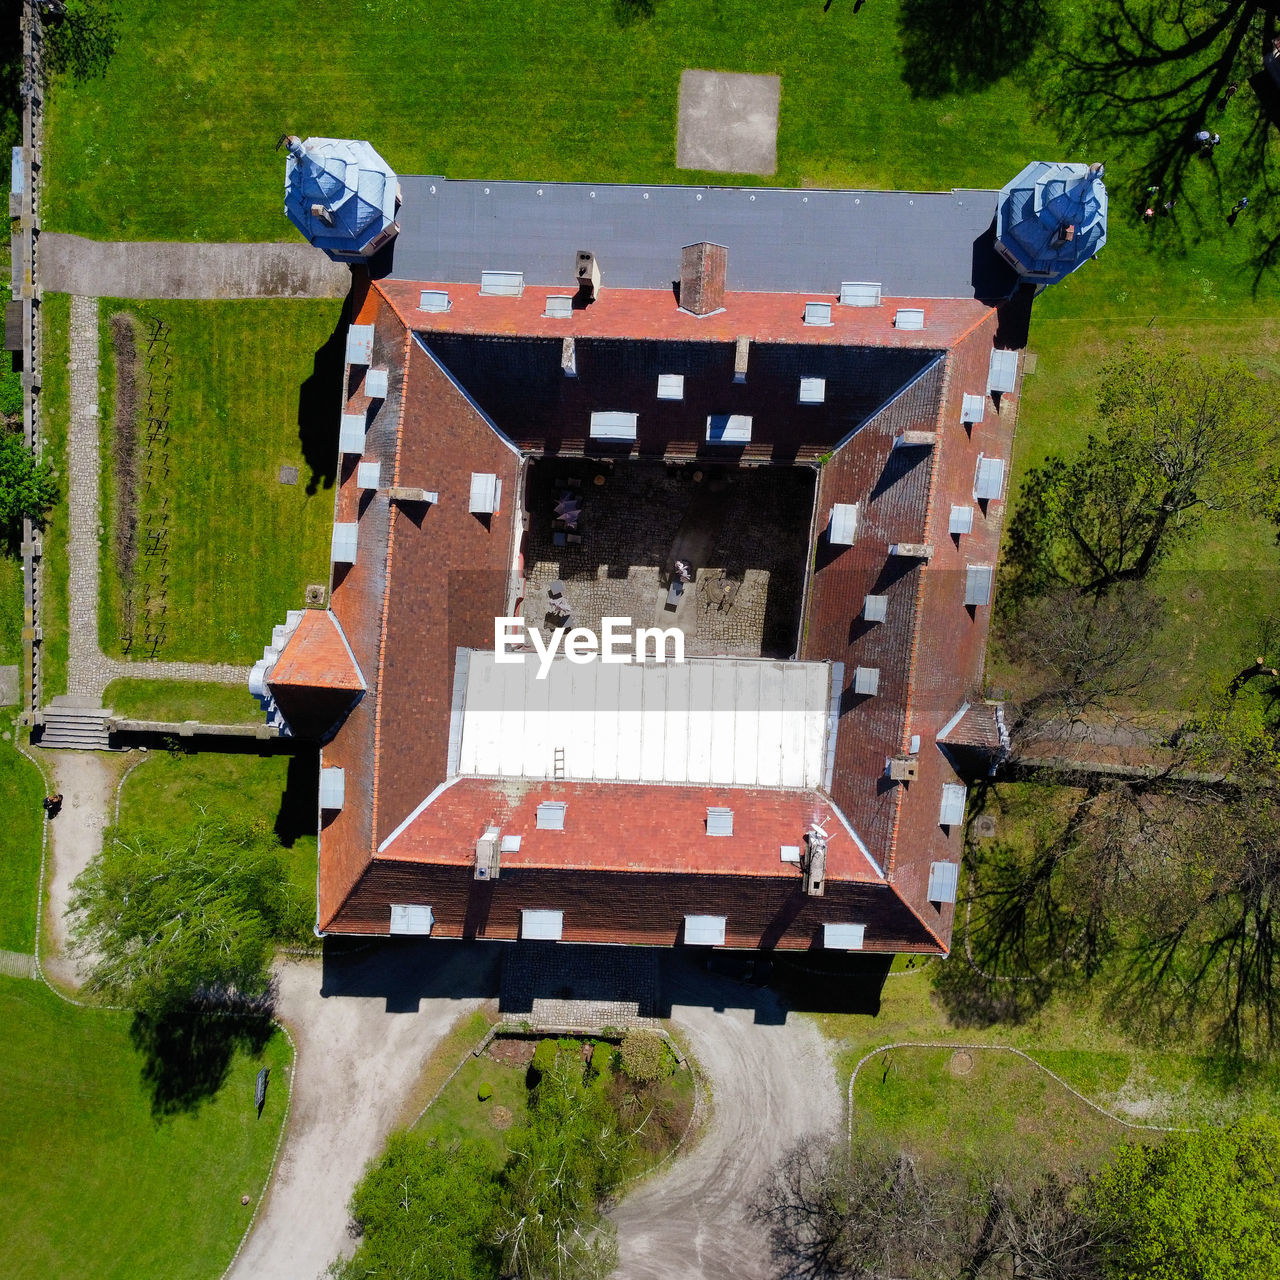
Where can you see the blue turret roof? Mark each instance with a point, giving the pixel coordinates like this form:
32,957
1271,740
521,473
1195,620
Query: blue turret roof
1051,218
340,194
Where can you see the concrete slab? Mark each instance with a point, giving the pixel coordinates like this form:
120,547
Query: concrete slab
9,686
728,122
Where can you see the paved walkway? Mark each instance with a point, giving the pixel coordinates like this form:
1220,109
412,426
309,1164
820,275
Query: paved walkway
89,670
152,269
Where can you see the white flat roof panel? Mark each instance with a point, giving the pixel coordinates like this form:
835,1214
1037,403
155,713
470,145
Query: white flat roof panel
433,300
704,931
729,428
502,284
360,344
730,721
671,386
541,926
908,318
843,937
973,408
351,433
612,424
411,919
813,390
961,519
859,293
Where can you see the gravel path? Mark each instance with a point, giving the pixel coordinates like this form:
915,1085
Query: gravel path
163,269
364,1027
772,1082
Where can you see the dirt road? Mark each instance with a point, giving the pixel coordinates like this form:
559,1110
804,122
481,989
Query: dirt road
364,1026
772,1082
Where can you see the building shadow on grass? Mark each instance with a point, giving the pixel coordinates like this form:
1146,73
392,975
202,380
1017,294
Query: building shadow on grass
300,803
186,1055
319,407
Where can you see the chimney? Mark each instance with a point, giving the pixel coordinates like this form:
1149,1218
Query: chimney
702,272
587,274
815,862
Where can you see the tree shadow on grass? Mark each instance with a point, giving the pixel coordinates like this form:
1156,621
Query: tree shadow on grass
319,407
187,1055
957,46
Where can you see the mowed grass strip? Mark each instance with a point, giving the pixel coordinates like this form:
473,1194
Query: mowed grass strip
21,790
173,701
242,546
172,790
55,565
92,1183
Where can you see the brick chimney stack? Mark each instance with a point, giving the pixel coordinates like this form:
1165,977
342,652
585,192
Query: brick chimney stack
702,273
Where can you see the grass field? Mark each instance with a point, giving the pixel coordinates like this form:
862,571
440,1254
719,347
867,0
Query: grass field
459,1112
178,700
171,790
21,790
93,1184
242,546
55,420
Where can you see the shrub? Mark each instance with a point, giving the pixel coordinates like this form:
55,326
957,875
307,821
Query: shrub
544,1057
485,1092
645,1057
601,1058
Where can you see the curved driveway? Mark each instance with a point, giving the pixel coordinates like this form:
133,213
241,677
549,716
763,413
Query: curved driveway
772,1082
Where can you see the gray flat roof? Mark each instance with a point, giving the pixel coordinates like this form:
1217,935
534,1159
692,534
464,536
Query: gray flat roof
914,244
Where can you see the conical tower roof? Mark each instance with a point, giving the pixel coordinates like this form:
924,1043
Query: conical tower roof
341,195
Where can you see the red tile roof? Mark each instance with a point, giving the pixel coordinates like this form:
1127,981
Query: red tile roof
316,656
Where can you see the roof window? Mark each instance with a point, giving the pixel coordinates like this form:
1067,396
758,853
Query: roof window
501,284
719,822
704,931
559,306
951,811
671,386
817,313
866,680
551,815
728,428
859,293
908,318
541,926
411,919
977,584
843,937
434,300
611,424
843,528
961,519
486,493
988,479
813,390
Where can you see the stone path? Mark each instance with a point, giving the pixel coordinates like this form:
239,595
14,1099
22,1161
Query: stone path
113,269
16,964
89,670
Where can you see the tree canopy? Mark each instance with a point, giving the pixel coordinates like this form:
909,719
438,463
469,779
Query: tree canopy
27,487
168,923
1180,436
1200,1206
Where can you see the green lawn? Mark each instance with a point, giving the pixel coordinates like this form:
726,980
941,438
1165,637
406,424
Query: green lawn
178,700
93,1184
242,546
21,790
55,420
458,1111
171,790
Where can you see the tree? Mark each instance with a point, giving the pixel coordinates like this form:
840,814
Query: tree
1201,1206
80,38
27,487
1182,436
1147,75
166,924
561,1167
424,1212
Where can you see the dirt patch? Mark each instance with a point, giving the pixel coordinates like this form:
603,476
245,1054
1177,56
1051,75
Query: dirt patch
960,1063
511,1052
500,1118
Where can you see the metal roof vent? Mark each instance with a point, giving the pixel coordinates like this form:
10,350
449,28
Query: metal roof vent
434,300
551,815
729,428
351,433
859,293
671,386
333,788
977,584
611,424
702,274
908,318
973,409
961,519
843,937
411,919
817,313
486,493
875,608
813,390
719,822
541,926
988,479
501,284
866,681
368,475
843,526
814,864
943,879
1002,372
704,931
488,854
375,384
951,811
360,344
342,550
559,306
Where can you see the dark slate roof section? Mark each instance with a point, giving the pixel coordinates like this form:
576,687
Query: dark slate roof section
519,384
914,244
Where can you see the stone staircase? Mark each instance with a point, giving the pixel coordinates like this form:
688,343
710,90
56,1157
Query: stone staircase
76,724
